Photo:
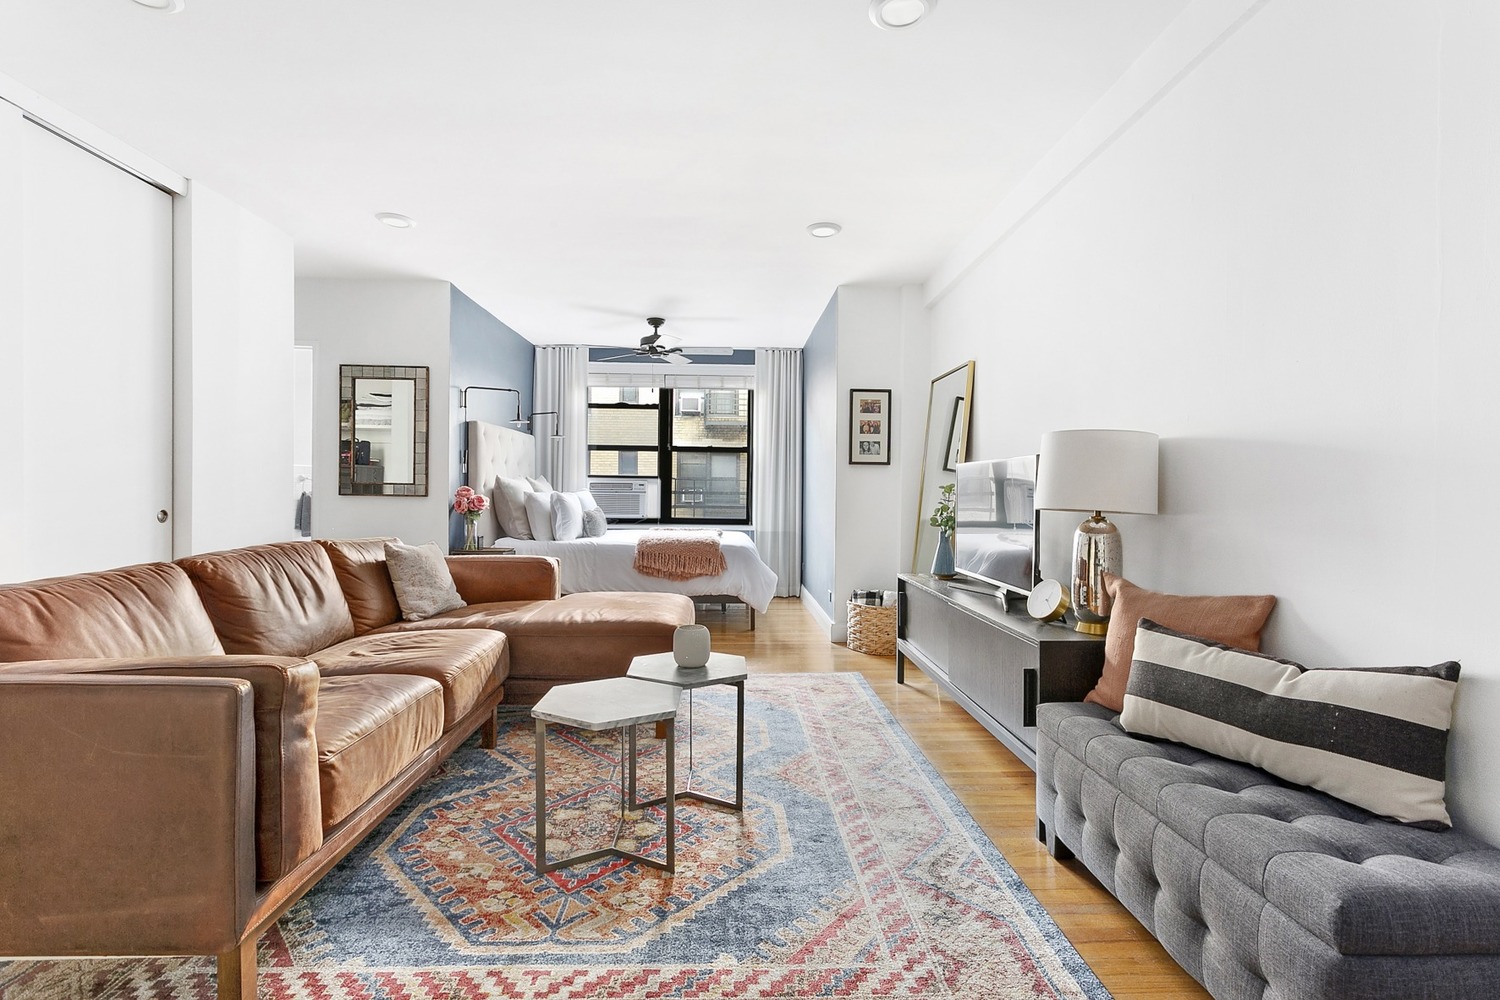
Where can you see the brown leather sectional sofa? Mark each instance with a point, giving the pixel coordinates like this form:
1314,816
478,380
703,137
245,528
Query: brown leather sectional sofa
186,748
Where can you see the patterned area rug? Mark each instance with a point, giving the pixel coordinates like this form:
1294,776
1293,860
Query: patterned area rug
853,872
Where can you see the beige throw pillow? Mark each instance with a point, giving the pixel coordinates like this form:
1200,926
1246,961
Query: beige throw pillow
510,506
420,576
1235,621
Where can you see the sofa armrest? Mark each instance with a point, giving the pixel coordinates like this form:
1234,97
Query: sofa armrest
127,825
288,809
492,579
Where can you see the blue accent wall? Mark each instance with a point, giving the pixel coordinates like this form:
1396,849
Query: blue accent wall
820,459
483,351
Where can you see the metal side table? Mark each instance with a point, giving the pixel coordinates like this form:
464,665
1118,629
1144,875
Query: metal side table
613,703
722,668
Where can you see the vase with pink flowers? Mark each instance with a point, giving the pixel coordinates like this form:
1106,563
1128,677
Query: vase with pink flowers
470,505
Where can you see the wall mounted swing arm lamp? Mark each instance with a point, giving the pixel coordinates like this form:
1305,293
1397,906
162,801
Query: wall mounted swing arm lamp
463,397
557,433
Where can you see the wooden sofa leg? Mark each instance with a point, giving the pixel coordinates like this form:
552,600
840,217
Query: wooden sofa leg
237,972
489,733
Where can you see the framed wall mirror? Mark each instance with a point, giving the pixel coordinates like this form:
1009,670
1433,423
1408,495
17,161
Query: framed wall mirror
945,445
382,431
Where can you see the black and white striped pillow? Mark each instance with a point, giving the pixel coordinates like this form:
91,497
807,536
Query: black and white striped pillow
1373,736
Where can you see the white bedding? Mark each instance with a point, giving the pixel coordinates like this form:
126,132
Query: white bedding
608,563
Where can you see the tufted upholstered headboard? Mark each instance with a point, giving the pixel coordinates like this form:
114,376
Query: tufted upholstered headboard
496,451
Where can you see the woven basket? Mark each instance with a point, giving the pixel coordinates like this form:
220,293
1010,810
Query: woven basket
872,629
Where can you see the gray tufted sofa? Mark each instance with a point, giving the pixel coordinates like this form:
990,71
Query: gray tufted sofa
1260,890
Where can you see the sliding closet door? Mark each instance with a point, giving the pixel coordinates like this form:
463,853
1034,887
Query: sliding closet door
96,361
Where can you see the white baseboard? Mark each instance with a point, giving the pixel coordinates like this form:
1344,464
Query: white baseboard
836,633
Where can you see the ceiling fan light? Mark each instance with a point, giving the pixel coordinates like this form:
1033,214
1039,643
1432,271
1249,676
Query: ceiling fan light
893,15
823,230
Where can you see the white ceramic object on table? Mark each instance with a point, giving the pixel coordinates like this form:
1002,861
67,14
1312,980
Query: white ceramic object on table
690,646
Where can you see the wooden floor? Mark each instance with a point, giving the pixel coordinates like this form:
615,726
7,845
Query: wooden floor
998,790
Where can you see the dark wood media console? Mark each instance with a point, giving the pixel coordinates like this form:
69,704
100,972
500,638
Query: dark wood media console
997,665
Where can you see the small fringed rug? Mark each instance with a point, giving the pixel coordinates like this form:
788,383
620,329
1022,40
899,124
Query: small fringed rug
852,872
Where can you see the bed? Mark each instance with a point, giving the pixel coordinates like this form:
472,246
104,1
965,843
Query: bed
607,563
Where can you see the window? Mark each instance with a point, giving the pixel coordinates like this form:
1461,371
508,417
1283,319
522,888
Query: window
696,442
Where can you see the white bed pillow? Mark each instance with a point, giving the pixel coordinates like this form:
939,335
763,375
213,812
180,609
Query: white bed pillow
539,514
567,516
510,506
539,484
586,500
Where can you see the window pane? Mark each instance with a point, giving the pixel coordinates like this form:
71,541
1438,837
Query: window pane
638,395
625,462
710,487
707,418
629,427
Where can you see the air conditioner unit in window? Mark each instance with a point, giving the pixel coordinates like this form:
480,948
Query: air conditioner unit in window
690,404
627,498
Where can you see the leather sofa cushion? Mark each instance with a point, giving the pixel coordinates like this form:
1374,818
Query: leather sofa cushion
468,663
147,610
359,564
279,600
574,638
369,728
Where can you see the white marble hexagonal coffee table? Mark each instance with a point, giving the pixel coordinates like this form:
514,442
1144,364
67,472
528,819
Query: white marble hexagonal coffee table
722,668
613,703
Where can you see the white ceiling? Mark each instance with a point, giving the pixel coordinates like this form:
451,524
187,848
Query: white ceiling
577,165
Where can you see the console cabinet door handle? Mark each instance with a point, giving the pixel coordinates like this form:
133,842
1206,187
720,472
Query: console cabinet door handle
1028,697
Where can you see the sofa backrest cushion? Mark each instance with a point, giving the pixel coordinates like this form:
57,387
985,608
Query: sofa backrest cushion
359,564
276,600
147,610
1376,737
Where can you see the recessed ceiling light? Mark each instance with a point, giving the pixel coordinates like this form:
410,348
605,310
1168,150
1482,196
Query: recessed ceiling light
165,6
823,230
395,221
893,14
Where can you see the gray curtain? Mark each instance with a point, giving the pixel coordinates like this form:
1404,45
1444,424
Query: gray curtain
561,384
777,513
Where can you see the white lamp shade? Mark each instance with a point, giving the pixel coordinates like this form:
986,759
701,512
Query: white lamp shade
1105,470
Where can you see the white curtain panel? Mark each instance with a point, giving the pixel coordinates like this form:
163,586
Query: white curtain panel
561,384
777,513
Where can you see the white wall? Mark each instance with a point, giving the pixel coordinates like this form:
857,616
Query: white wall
1267,244
376,322
233,336
868,504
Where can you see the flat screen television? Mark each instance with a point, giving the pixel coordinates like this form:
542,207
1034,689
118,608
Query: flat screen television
995,529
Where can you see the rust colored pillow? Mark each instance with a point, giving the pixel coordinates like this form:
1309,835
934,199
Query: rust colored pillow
1235,621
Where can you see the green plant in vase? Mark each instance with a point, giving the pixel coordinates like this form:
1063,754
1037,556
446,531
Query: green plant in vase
944,519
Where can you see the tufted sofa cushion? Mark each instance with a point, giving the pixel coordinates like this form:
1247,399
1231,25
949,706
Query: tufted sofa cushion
1260,889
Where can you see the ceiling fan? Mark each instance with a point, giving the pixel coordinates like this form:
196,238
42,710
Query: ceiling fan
657,346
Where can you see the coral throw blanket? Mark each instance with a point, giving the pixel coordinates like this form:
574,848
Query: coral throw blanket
679,555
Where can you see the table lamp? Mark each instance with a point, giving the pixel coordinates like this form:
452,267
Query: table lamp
1096,471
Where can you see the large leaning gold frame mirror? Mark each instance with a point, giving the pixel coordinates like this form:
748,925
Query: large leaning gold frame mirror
946,444
382,431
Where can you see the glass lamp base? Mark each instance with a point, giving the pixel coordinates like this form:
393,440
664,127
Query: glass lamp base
1096,551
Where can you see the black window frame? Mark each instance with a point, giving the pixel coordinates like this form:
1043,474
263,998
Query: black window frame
666,407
